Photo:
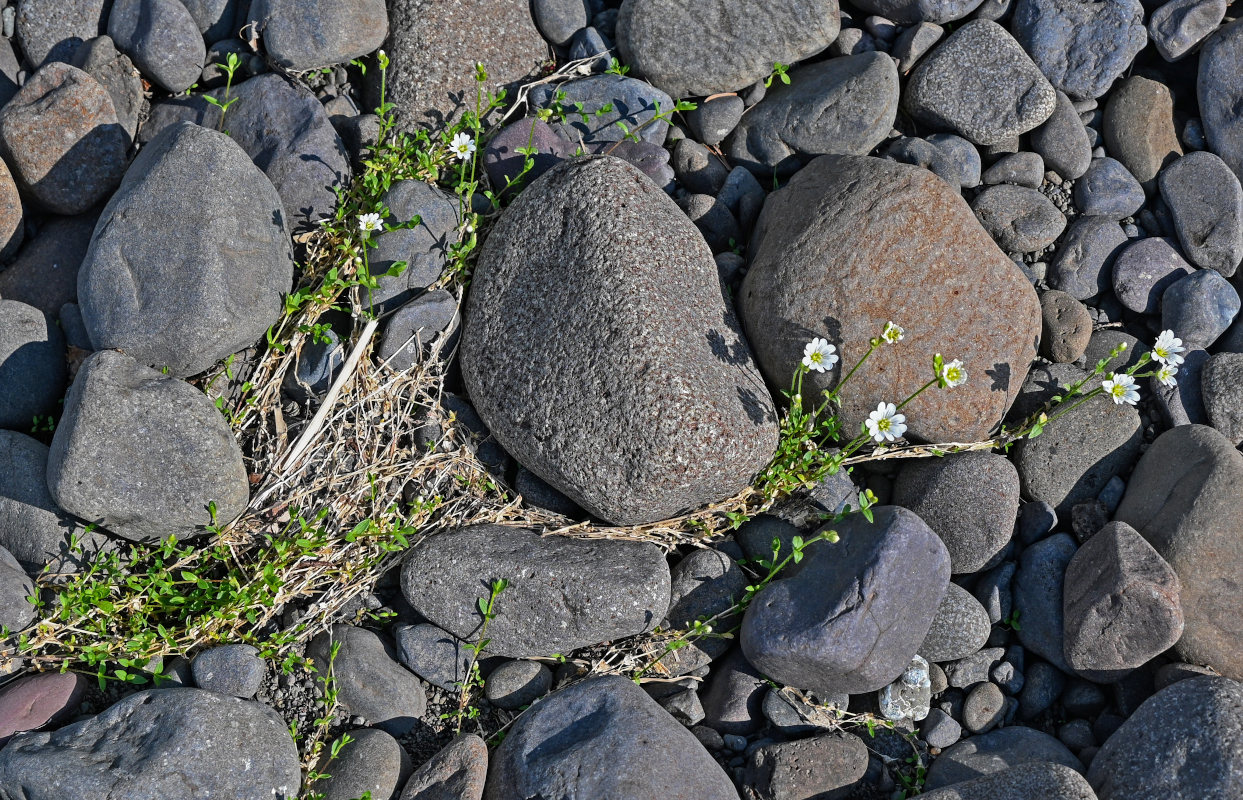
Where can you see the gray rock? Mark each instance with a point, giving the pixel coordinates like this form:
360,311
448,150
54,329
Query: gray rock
1066,327
212,281
682,50
606,100
45,274
536,492
650,159
32,702
1102,345
980,83
1080,47
588,43
16,589
843,106
823,766
1107,189
1206,203
156,743
1144,269
698,169
1063,141
1083,264
424,247
540,297
1220,94
992,590
975,668
852,42
217,19
1199,307
984,708
316,364
939,729
1043,684
162,40
32,366
504,163
1138,128
703,584
1036,520
844,635
115,72
959,629
996,752
559,20
232,669
712,120
1168,675
914,43
587,591
373,762
713,219
1046,780
1038,593
743,195
411,331
969,500
304,34
75,169
1176,27
53,29
1021,169
734,695
871,238
457,772
369,681
1196,719
1020,220
437,657
910,696
1120,605
958,166
182,473
516,684
625,746
1222,385
796,713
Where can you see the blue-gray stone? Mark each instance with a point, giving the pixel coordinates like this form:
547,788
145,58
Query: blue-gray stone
1144,269
1042,686
424,247
50,30
1021,169
1179,25
954,159
1019,219
1081,47
1206,202
436,656
631,102
1039,779
1063,141
410,331
1199,308
914,43
905,12
162,40
588,43
1220,93
307,34
32,365
215,18
959,629
1107,189
232,669
649,158
712,120
1083,264
1038,596
992,589
559,20
316,366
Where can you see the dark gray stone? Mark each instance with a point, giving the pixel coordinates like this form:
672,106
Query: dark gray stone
32,366
541,295
743,195
712,120
16,589
315,366
1176,27
115,72
1107,189
1020,220
914,43
698,169
587,591
410,332
756,536
1036,520
212,281
588,43
629,101
457,772
795,713
624,745
843,106
304,34
713,219
973,669
516,684
958,164
373,762
1222,385
983,708
996,752
424,247
53,29
680,48
1038,591
1063,141
1144,269
1138,128
939,729
1199,307
504,163
980,83
370,682
437,657
992,590
1197,719
156,743
1021,169
1206,203
217,19
826,766
1183,403
161,38
843,635
1081,47
1083,264
1103,343
164,482
232,669
703,584
1220,93
1042,779
559,20
1066,327
535,491
959,629
1042,685
649,158
734,695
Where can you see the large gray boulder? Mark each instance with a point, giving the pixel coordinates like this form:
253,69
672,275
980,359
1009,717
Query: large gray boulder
563,593
853,242
178,278
600,351
704,48
144,455
158,743
603,738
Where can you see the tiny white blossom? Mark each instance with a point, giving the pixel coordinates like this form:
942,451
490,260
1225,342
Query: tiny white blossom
369,223
1166,375
819,355
462,146
1167,349
892,333
885,424
953,374
1121,388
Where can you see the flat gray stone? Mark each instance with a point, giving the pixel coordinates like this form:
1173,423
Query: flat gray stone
370,682
54,28
161,38
1063,140
1144,269
1020,220
304,34
996,752
959,629
1046,780
1083,264
1176,27
32,366
457,772
1081,47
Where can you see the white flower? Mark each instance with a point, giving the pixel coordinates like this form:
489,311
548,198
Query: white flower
1121,388
892,333
953,374
462,146
1166,375
368,223
1167,349
819,355
885,424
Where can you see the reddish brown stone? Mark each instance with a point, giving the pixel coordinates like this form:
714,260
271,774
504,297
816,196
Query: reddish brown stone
37,701
1139,128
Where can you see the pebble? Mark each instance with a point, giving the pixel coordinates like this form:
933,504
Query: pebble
369,681
995,752
373,762
939,729
1020,220
1042,685
517,684
1219,94
457,772
44,699
162,40
411,331
49,30
1038,589
1144,269
713,120
1083,264
1206,202
232,669
1108,190
698,170
816,767
959,629
558,20
992,590
1063,141
982,710
914,43
1199,307
32,365
1066,327
437,657
1021,169
1138,128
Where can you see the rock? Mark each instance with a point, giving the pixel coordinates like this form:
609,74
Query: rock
1063,141
437,657
1042,686
300,35
1105,341
1219,94
115,72
984,707
681,49
822,766
37,701
625,746
1199,307
1046,780
200,291
996,752
1168,675
905,12
1020,220
370,682
1080,47
424,247
1180,498
1206,204
699,170
1138,128
844,635
900,236
1066,327
1222,382
712,218
1120,605
1176,27
1020,169
32,365
373,762
457,772
536,492
517,684
61,137
704,584
588,591
316,363
914,43
606,100
980,83
959,629
939,729
1144,269
45,274
1038,591
795,713
851,42
217,19
16,590
1196,719
53,29
504,163
1107,189
650,159
588,43
975,668
161,38
12,228
969,500
843,106
155,743
232,669
415,326
992,590
559,20
734,697
1082,266
712,120
549,291
909,697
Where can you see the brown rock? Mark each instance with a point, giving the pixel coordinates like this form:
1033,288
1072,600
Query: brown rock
853,242
455,773
1065,327
35,701
10,214
1139,128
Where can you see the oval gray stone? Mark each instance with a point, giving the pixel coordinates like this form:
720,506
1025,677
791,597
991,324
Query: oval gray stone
304,34
1041,779
1019,219
457,772
995,752
1220,94
1081,47
959,629
1206,203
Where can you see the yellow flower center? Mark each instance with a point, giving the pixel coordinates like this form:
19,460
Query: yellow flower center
882,424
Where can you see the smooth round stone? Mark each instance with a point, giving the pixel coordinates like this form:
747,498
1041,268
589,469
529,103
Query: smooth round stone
559,20
1063,141
1107,189
1020,220
1038,589
1042,685
1199,308
1176,27
1138,128
983,708
1222,384
1144,269
1080,47
995,752
373,762
951,157
959,629
914,43
516,684
34,701
940,729
233,669
317,363
1183,403
1205,200
32,365
1066,327
714,119
1021,169
1220,94
1082,265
